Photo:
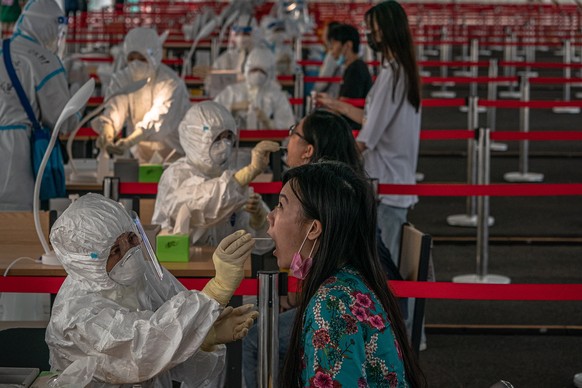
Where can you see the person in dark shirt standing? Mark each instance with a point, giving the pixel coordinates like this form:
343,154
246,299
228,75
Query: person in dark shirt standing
345,45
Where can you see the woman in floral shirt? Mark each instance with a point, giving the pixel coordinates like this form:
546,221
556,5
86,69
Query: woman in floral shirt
348,331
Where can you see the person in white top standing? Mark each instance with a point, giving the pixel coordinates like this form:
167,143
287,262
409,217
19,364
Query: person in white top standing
390,134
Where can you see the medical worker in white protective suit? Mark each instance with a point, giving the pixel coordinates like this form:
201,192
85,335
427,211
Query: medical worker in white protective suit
152,114
38,36
114,322
243,37
276,34
200,195
258,102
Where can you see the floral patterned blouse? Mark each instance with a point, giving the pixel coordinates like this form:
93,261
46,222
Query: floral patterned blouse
348,339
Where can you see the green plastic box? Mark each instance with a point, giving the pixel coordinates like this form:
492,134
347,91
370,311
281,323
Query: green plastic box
150,173
173,248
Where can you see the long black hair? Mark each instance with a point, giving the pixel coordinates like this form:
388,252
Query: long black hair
396,43
343,201
331,136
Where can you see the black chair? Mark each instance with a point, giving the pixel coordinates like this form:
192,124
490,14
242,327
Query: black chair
413,263
24,347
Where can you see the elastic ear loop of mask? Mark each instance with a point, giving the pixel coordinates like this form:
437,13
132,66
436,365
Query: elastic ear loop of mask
305,239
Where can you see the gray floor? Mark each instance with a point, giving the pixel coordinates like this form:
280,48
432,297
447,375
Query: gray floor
533,240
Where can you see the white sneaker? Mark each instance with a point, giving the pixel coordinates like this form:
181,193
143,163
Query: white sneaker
578,380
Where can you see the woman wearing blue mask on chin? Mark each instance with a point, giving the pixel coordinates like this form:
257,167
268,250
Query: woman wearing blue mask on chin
344,47
348,330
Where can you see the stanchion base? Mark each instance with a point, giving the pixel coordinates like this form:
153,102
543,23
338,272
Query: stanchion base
488,279
431,52
572,110
480,109
518,177
509,94
466,220
462,73
495,146
527,73
424,73
578,95
484,53
443,94
419,177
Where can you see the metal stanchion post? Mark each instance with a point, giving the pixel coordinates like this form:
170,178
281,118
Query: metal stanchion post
482,260
268,359
444,57
492,111
567,86
469,219
509,71
474,72
523,175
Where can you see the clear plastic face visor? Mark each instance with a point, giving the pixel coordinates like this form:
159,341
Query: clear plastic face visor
148,252
62,36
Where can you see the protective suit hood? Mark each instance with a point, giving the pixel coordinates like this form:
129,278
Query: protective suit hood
83,236
146,42
40,20
261,58
199,129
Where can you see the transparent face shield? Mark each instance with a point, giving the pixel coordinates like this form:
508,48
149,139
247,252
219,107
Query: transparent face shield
62,36
148,252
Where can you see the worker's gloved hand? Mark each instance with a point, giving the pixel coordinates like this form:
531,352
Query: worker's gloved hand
106,137
124,144
265,121
232,324
201,71
229,259
259,161
254,207
239,106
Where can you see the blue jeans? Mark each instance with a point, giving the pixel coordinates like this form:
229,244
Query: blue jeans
390,221
251,347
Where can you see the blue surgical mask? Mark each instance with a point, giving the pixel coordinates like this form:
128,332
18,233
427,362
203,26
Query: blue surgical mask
341,60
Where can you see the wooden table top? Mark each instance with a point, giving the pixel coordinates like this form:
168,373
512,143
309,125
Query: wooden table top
200,264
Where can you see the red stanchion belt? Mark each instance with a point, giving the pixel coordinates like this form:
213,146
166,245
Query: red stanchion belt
429,290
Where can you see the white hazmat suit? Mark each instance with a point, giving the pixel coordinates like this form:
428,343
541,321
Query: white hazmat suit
198,193
258,102
110,334
33,48
152,114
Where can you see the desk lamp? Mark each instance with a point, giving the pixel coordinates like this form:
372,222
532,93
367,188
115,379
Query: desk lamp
132,87
75,104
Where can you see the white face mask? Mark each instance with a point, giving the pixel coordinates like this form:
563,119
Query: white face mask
243,42
140,70
220,151
130,268
256,78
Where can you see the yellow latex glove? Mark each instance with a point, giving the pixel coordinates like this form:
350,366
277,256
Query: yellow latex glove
255,208
229,259
239,106
106,137
232,325
266,122
259,161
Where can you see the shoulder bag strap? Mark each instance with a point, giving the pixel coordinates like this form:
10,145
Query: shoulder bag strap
17,85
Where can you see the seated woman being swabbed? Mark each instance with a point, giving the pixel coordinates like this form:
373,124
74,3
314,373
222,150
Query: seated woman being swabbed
348,330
